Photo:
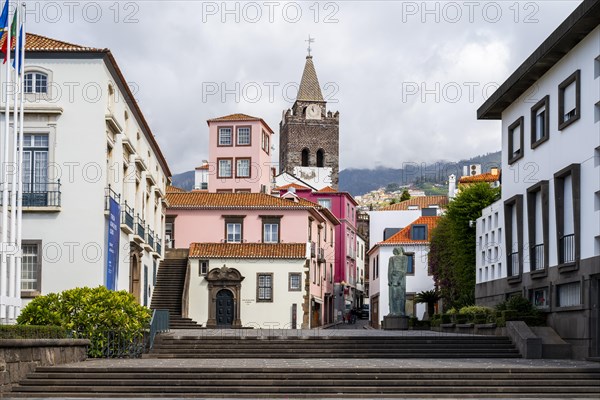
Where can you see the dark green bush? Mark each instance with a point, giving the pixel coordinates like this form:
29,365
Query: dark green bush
91,314
33,332
518,308
446,318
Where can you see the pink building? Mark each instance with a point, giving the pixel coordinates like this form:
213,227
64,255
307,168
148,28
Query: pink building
343,206
239,154
259,235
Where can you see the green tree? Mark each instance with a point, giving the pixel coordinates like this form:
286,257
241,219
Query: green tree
453,244
429,297
405,195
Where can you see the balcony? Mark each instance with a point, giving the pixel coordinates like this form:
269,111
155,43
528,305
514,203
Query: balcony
313,249
109,193
321,255
157,247
139,231
149,239
566,249
41,196
537,257
127,219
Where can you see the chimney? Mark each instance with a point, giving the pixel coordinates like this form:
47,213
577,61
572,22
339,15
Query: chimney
451,186
494,171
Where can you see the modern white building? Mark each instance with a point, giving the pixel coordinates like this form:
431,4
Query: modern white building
414,239
490,258
550,112
94,176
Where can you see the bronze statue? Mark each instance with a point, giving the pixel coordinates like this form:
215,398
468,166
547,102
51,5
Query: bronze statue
397,268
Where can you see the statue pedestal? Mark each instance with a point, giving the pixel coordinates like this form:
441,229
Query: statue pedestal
395,323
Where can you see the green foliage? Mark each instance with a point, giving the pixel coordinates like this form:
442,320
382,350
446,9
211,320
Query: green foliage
429,297
90,313
33,332
453,244
474,310
518,308
405,196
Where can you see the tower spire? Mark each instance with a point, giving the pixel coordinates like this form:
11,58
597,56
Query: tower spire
309,90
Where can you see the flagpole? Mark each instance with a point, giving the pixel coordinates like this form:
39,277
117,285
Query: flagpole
13,181
19,231
4,230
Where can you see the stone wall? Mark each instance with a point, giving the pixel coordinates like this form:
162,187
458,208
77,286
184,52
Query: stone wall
19,357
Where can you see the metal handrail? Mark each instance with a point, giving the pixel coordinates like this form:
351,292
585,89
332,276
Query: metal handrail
127,214
140,227
537,257
158,324
41,194
567,248
513,261
108,194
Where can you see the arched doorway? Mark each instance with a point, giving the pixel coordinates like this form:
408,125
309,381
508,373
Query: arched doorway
320,158
135,271
305,157
224,289
224,308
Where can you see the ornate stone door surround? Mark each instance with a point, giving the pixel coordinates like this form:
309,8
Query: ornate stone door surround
224,278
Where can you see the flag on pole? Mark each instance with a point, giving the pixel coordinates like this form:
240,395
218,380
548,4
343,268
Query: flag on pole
13,33
4,17
17,60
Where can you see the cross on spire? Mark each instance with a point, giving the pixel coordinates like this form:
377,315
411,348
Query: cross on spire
309,40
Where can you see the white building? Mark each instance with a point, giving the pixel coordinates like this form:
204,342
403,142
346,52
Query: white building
89,158
490,264
361,256
414,239
389,220
550,112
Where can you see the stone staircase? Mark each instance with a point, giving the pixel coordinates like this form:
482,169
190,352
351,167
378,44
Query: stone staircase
281,381
170,346
170,280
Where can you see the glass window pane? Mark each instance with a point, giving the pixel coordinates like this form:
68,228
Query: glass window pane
243,136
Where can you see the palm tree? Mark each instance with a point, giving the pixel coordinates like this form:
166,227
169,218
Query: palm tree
430,297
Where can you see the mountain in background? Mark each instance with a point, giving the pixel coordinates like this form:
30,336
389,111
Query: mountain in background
358,181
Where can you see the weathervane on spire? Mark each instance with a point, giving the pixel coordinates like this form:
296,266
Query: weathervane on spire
310,40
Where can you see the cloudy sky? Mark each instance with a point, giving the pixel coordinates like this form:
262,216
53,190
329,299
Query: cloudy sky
407,77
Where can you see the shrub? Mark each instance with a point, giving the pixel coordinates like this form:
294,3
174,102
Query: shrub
473,310
518,308
33,332
91,314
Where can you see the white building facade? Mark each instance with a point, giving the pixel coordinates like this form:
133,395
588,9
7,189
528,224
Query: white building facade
94,176
550,112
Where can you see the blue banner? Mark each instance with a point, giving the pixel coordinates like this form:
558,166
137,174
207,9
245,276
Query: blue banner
114,234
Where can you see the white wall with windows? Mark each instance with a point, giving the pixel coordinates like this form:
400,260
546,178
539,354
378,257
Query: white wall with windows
490,264
269,290
81,136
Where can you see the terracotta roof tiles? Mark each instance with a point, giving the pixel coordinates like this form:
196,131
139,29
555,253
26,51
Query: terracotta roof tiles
292,185
35,42
485,177
205,200
248,250
403,237
421,202
240,117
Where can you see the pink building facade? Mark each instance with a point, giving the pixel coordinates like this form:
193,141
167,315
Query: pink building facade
343,206
246,220
239,154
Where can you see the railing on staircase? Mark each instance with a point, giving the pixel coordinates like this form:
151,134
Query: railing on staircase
158,324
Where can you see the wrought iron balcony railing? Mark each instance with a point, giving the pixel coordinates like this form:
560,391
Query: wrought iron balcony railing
537,257
46,194
513,264
127,214
566,249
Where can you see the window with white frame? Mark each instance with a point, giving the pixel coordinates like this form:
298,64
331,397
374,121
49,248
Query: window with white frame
35,170
225,136
264,289
242,168
569,294
271,232
35,82
243,136
30,267
203,268
233,230
224,168
325,203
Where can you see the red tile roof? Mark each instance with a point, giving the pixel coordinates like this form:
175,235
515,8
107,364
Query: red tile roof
485,177
35,42
203,166
292,185
248,250
239,117
328,189
204,200
420,202
403,237
174,189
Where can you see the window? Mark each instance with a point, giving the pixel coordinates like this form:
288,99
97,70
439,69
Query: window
225,137
31,266
233,229
569,294
36,82
540,117
569,100
539,297
224,168
265,142
294,284
242,169
203,267
567,195
330,273
305,157
419,232
537,223
36,187
320,158
243,136
264,288
410,269
325,203
513,222
515,141
270,231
